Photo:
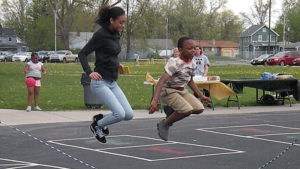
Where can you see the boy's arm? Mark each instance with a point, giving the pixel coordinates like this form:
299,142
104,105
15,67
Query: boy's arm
153,105
196,90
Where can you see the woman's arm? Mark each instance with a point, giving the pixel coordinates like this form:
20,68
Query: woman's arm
153,105
205,70
196,90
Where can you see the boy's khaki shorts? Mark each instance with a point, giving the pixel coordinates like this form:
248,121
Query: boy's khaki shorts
180,101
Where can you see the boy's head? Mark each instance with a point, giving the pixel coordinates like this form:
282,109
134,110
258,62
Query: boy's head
34,57
186,47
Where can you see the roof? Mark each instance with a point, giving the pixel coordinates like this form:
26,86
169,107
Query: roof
77,40
161,43
253,29
8,32
217,43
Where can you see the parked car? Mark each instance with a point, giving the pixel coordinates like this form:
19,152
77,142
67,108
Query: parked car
261,60
283,58
5,56
296,62
44,55
21,57
64,56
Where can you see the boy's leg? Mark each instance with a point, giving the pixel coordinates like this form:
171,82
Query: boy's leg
174,117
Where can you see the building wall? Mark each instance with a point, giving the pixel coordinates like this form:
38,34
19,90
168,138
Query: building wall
229,52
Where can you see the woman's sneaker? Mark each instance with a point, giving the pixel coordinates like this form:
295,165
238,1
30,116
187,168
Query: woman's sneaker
97,132
105,128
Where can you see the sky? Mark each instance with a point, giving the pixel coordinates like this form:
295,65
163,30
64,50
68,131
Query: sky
238,6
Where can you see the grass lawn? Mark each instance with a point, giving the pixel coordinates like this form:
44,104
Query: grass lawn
61,88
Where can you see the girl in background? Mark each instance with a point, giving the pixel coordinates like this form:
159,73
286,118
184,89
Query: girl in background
33,75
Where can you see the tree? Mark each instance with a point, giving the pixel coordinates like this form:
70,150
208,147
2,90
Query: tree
40,26
258,15
293,23
229,25
135,10
14,14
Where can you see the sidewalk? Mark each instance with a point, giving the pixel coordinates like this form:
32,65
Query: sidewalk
20,117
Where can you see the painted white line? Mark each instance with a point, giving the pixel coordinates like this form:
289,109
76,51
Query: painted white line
198,145
149,145
284,127
233,126
28,164
122,155
274,141
248,137
276,134
146,145
206,155
228,134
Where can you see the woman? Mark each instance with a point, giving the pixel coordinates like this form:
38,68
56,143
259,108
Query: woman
105,43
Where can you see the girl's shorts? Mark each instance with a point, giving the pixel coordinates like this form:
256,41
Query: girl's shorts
31,82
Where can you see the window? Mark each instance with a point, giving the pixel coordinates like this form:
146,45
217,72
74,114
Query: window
9,39
259,38
264,30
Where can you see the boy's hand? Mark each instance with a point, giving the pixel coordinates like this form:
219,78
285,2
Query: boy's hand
153,107
206,99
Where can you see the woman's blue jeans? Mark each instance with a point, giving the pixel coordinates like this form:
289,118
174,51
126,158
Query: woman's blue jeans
110,94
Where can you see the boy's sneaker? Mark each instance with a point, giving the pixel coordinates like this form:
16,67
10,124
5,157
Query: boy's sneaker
105,128
163,130
97,132
28,109
37,108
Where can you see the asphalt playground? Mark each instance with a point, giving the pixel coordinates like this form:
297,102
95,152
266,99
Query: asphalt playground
218,141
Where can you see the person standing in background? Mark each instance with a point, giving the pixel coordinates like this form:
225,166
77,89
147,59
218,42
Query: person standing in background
33,75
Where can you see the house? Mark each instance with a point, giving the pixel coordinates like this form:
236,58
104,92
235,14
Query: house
254,41
218,48
289,46
77,40
10,42
8,39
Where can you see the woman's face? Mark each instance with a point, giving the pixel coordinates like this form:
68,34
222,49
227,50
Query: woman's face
176,53
119,23
197,51
188,49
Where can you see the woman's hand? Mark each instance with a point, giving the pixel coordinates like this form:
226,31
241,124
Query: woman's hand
153,107
205,99
121,69
95,76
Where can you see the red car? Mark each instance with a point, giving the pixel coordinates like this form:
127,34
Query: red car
283,58
296,62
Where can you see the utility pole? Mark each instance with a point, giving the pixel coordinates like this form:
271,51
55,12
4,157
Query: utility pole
55,11
167,36
284,32
270,25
